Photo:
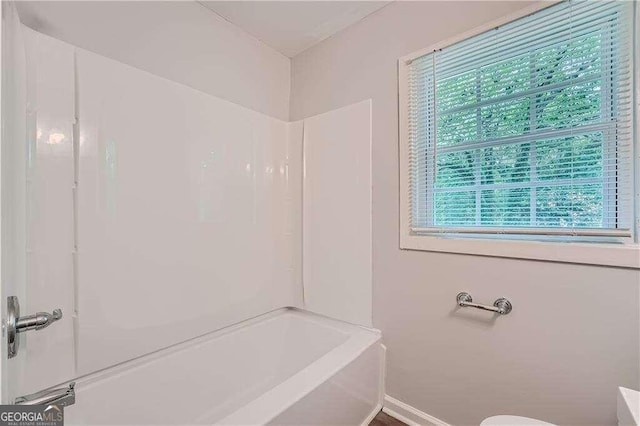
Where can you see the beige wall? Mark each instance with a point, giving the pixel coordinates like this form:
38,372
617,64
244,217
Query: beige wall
573,335
182,41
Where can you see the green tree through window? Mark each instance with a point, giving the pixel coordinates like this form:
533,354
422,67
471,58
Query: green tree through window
489,171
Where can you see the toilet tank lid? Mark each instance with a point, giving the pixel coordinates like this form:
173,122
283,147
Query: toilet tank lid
513,421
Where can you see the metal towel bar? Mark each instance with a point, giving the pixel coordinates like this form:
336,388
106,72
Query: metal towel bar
501,306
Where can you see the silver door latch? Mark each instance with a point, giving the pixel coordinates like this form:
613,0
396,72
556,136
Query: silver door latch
17,324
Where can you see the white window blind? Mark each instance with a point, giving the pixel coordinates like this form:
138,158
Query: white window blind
526,128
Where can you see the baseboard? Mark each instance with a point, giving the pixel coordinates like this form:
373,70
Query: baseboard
383,374
409,415
372,416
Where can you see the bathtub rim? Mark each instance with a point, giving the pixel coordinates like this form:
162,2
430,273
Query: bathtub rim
275,401
95,378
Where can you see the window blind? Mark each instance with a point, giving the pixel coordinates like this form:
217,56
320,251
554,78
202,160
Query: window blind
526,128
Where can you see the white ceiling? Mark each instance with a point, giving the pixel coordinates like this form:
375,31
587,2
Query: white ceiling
293,26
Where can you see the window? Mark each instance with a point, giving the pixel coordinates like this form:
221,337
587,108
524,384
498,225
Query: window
523,130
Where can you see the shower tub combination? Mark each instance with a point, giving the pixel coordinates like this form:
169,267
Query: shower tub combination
247,189
287,367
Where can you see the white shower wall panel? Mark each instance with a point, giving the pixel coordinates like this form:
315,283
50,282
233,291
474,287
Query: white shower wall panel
45,150
188,212
337,266
182,224
181,212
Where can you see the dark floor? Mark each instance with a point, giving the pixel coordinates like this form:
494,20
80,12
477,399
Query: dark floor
383,419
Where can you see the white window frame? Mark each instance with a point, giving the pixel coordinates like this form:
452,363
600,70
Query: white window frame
611,254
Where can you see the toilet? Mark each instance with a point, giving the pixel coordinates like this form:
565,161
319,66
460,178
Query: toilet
513,421
628,413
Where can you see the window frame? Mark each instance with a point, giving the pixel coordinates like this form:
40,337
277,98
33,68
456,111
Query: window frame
620,254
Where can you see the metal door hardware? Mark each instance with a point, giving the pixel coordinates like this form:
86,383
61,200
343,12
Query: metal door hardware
62,397
17,324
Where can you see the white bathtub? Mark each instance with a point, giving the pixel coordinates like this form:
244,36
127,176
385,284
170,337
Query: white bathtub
285,367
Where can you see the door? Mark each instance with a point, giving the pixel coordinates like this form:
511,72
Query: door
36,205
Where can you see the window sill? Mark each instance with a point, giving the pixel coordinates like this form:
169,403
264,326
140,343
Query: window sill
619,255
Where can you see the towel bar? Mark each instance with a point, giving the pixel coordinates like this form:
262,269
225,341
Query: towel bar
501,306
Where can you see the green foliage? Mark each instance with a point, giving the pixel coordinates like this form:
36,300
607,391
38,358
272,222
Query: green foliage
455,208
511,181
577,206
574,157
